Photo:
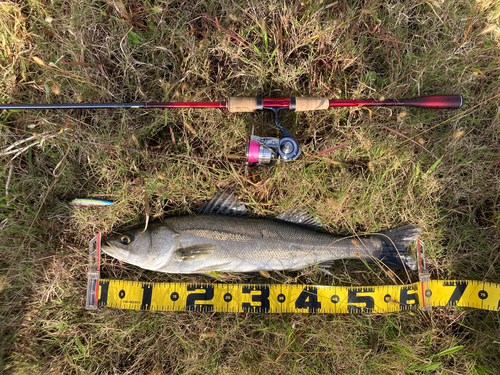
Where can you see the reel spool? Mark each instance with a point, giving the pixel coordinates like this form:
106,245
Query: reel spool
262,150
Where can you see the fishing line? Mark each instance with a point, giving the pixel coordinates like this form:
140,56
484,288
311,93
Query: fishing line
441,123
43,201
122,148
164,155
286,298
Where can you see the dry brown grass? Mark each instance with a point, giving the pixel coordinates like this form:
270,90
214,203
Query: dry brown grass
156,51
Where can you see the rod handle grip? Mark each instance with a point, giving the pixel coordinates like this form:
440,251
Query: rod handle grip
438,102
311,104
241,104
301,104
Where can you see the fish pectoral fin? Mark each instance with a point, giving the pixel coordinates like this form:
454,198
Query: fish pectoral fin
215,275
325,271
195,252
326,264
211,268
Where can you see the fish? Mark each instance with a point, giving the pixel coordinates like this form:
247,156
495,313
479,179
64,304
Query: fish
223,237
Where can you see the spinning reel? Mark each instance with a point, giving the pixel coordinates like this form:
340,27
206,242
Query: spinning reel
266,151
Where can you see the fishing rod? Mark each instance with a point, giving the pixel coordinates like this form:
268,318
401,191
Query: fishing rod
266,151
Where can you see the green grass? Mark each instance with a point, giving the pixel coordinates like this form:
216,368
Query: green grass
155,51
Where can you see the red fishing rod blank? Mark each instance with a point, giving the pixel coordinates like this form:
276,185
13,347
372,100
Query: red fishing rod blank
254,104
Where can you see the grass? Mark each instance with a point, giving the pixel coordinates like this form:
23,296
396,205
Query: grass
133,51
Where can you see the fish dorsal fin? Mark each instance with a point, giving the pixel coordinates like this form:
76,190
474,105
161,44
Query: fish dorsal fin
300,218
224,204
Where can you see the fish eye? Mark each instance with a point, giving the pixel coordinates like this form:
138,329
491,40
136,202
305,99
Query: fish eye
126,239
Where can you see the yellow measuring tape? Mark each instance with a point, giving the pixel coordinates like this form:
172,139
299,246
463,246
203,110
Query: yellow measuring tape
284,298
279,298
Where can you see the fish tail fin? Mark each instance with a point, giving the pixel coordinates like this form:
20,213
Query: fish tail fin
394,243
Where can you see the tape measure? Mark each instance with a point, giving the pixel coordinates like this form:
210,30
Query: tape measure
284,298
279,298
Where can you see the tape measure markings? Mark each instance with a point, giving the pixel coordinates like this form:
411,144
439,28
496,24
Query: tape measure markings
275,298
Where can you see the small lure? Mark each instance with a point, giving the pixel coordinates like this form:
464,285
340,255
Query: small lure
90,202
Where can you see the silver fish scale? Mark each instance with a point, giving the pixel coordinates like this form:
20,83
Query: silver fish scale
266,243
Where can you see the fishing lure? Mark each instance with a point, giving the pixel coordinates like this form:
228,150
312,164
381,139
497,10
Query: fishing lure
90,202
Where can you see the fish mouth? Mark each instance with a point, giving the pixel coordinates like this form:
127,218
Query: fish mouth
115,252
